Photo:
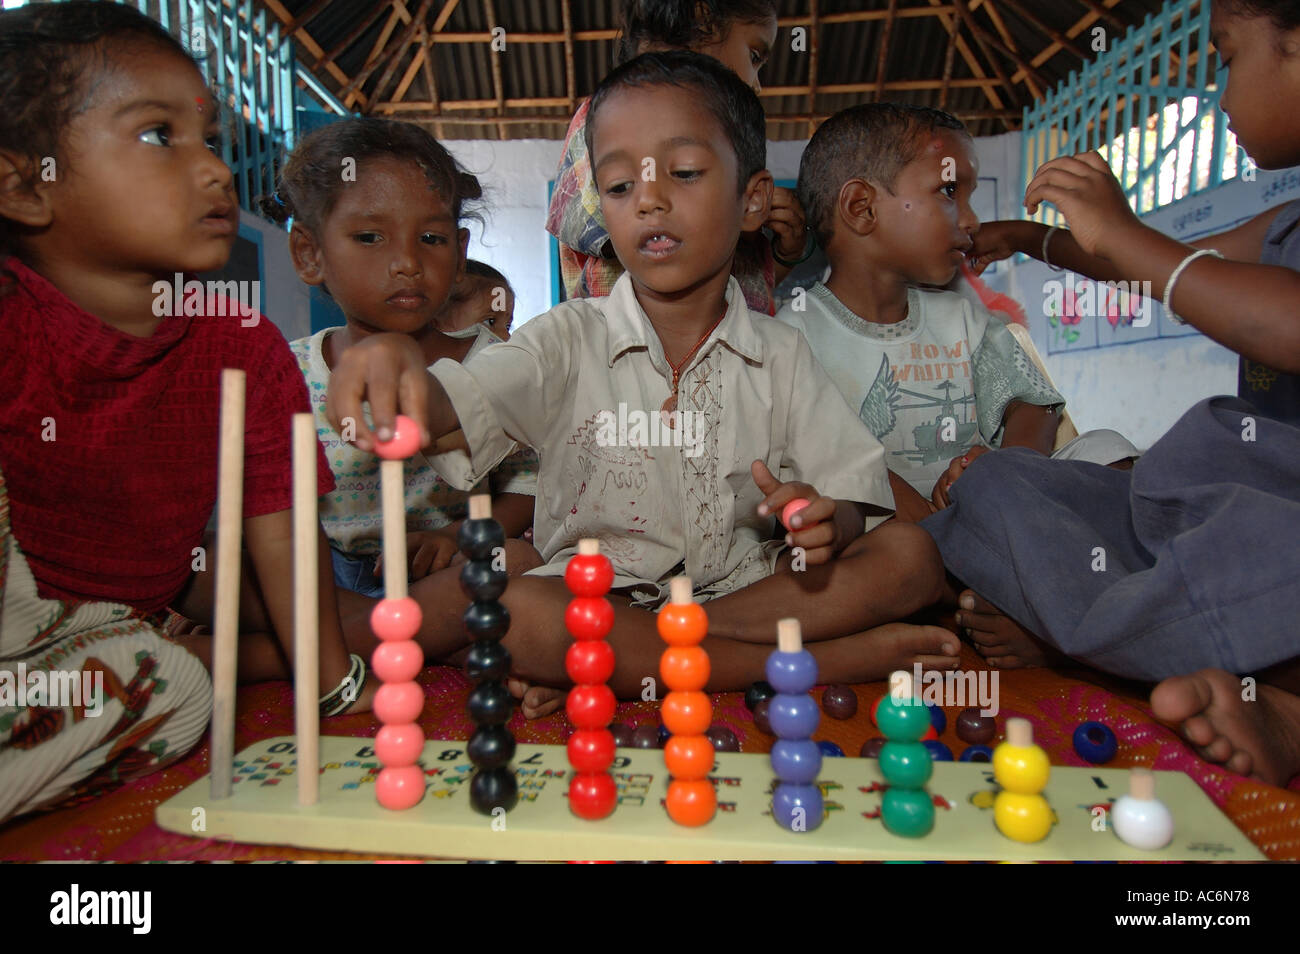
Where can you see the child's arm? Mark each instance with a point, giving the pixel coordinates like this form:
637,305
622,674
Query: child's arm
1243,305
1023,425
823,528
514,512
909,506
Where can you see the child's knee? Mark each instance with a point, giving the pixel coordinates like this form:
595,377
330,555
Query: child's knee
521,556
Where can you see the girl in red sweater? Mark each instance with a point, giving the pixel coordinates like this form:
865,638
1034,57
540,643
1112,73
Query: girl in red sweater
109,184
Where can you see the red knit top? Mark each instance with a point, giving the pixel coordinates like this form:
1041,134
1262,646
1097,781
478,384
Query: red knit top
108,442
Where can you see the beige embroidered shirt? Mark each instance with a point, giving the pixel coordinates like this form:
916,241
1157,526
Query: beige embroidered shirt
584,385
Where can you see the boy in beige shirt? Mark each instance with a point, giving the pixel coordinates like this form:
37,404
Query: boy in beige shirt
672,423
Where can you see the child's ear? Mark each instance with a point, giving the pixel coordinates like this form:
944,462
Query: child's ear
463,234
758,201
856,206
306,254
24,197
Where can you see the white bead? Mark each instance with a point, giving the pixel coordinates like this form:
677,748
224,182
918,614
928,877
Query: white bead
1144,823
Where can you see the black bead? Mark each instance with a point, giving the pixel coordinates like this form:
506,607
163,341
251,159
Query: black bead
478,538
480,582
646,737
487,620
491,746
492,789
622,733
490,703
487,659
757,693
723,739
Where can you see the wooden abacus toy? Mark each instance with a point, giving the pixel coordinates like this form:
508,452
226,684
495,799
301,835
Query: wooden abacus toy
797,802
1022,769
686,710
483,579
590,662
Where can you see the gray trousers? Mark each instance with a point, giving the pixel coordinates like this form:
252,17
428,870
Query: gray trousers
1190,560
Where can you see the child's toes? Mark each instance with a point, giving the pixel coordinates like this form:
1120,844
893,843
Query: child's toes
937,662
540,701
517,687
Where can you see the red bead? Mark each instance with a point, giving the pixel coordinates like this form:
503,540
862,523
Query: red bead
404,442
684,667
590,707
394,618
589,663
592,795
589,617
682,624
397,660
591,750
589,575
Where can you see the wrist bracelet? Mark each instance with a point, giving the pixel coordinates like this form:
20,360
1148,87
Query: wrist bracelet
1178,273
809,247
1046,239
339,698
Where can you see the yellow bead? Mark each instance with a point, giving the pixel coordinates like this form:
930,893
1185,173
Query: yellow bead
1021,768
1026,818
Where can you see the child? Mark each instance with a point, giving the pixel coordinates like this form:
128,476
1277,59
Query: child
935,377
483,296
1197,580
737,33
110,185
387,246
672,422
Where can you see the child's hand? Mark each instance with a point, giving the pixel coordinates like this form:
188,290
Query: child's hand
814,527
940,495
993,242
427,552
786,220
388,370
1088,195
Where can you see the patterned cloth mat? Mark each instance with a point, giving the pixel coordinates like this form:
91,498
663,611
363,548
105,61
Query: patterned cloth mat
119,826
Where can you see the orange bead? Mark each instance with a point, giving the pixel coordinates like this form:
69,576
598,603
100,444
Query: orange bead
683,624
687,713
688,757
684,667
691,803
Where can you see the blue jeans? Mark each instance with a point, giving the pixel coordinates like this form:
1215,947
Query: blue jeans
357,574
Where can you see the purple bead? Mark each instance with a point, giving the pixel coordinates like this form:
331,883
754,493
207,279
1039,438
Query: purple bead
622,733
840,702
871,748
796,760
793,716
797,807
646,737
760,715
722,739
792,672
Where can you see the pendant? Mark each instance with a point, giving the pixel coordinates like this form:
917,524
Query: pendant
669,411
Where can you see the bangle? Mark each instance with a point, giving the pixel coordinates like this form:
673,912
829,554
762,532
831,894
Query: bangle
347,691
1046,239
1178,273
809,247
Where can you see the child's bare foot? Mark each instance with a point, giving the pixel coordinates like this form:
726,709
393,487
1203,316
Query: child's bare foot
1258,738
875,653
536,701
1003,642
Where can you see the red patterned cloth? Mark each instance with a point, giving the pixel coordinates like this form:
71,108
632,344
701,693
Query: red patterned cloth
109,441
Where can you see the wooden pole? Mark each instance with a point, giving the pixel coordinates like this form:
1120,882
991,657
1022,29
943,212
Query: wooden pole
306,608
393,501
225,638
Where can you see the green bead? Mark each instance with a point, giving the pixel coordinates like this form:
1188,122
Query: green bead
902,722
907,812
906,764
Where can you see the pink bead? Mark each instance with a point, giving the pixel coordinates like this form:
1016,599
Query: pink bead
398,660
790,509
399,788
396,618
399,702
398,745
405,442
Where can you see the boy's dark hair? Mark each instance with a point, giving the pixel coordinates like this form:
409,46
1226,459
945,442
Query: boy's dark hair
476,269
871,141
683,24
1285,14
311,180
721,92
478,275
47,51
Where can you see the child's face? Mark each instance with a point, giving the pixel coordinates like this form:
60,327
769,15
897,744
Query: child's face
667,176
488,306
142,189
927,223
1262,88
389,250
744,49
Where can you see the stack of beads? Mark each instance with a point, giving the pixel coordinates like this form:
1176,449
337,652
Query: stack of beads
589,663
905,808
397,659
686,711
483,579
796,759
1021,768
